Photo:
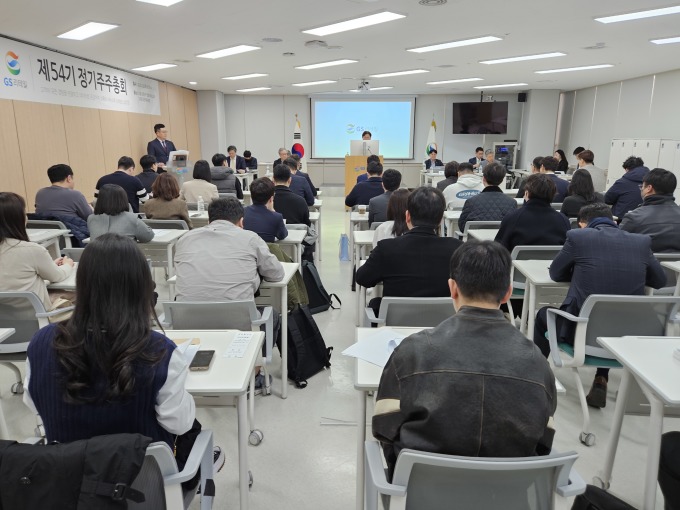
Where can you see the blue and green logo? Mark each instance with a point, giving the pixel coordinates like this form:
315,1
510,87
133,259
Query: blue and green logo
12,61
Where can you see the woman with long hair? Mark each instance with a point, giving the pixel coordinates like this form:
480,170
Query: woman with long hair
201,186
563,164
166,204
580,192
396,217
24,266
112,215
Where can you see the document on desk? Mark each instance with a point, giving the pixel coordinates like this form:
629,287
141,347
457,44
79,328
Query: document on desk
159,231
188,347
239,345
377,347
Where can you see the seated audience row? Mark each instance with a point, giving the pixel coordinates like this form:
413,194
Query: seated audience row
491,204
377,206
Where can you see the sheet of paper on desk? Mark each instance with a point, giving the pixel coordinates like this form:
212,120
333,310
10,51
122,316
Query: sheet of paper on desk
159,231
238,345
188,349
377,348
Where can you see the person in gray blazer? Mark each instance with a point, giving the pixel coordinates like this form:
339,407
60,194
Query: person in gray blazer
377,206
111,214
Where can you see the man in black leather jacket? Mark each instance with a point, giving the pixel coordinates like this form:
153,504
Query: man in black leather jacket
474,385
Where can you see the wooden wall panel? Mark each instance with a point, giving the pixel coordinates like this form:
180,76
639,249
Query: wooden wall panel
140,135
85,147
116,138
13,172
176,121
42,142
191,122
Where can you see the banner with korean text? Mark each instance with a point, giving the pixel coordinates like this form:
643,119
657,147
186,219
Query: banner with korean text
43,76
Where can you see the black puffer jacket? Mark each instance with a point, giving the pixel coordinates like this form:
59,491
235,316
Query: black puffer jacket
490,205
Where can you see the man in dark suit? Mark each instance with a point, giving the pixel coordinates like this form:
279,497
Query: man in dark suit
303,174
370,159
415,264
261,217
479,157
292,206
251,162
363,192
298,183
160,147
236,163
548,167
377,206
283,154
432,161
598,258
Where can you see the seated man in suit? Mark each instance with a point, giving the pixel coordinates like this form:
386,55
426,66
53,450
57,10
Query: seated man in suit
236,163
304,174
160,147
548,167
415,264
373,158
261,217
283,154
535,168
377,206
251,162
298,184
659,215
292,206
451,174
491,204
476,162
432,161
363,192
598,258
464,387
536,222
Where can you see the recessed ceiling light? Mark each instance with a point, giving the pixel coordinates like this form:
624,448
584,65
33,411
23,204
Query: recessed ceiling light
372,89
456,44
501,86
352,24
309,83
87,30
327,64
234,50
164,3
244,76
568,69
399,73
667,40
154,67
462,80
255,89
640,15
193,83
525,57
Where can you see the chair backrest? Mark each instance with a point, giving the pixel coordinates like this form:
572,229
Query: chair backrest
433,481
626,315
481,225
375,225
150,482
557,206
415,312
296,226
211,315
226,195
167,224
530,253
573,222
671,276
18,310
64,242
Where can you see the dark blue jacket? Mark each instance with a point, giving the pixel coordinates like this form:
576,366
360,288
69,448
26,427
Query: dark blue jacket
624,195
240,162
562,187
75,224
155,148
300,186
309,181
363,192
362,178
535,223
265,223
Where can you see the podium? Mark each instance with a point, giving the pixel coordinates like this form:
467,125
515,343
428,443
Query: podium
354,166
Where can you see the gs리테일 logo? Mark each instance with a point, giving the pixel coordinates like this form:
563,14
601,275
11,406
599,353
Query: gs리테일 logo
12,62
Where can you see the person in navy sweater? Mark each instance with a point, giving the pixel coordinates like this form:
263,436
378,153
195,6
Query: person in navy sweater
299,184
363,192
548,167
261,217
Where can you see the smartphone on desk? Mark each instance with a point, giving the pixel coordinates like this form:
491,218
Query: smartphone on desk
202,360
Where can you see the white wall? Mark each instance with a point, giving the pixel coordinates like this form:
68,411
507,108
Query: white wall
212,124
539,125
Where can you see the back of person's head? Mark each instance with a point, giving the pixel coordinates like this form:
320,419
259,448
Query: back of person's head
632,162
481,271
426,207
111,200
582,184
292,164
464,168
147,162
589,212
165,187
537,163
663,181
494,174
219,159
451,169
202,170
578,150
228,209
281,173
158,127
396,211
109,333
247,154
540,187
587,156
373,158
261,190
296,157
12,217
125,163
231,148
374,168
391,179
59,173
550,164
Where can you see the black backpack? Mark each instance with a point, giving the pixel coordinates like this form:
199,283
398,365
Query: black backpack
597,499
319,299
307,351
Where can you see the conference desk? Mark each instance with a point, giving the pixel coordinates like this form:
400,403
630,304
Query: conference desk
49,238
294,239
315,220
483,234
674,266
5,333
361,239
280,287
227,377
650,361
450,221
357,221
367,379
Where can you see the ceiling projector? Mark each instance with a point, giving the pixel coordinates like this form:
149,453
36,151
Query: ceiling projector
364,86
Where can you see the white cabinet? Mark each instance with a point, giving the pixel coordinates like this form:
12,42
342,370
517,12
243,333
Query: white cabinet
654,152
619,151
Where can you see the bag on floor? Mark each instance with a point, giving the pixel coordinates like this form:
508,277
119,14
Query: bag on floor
597,499
307,351
319,299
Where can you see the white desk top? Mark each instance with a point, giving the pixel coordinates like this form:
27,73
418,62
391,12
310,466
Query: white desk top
318,203
356,217
42,236
68,284
452,215
520,201
511,192
536,271
314,215
225,375
5,333
161,236
651,360
672,265
363,237
294,237
483,234
289,269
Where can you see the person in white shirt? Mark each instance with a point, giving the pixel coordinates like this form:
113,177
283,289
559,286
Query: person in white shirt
468,185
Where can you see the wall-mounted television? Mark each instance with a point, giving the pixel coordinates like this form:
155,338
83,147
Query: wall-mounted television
480,118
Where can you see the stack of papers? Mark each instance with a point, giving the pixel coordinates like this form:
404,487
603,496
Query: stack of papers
238,345
377,348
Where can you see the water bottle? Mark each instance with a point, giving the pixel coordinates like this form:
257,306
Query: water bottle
201,205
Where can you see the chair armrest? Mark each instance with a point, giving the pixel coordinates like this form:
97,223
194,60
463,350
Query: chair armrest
203,442
375,469
458,235
372,319
57,311
264,316
575,486
551,318
34,440
163,322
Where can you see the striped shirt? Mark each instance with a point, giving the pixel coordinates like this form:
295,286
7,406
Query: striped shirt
134,188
